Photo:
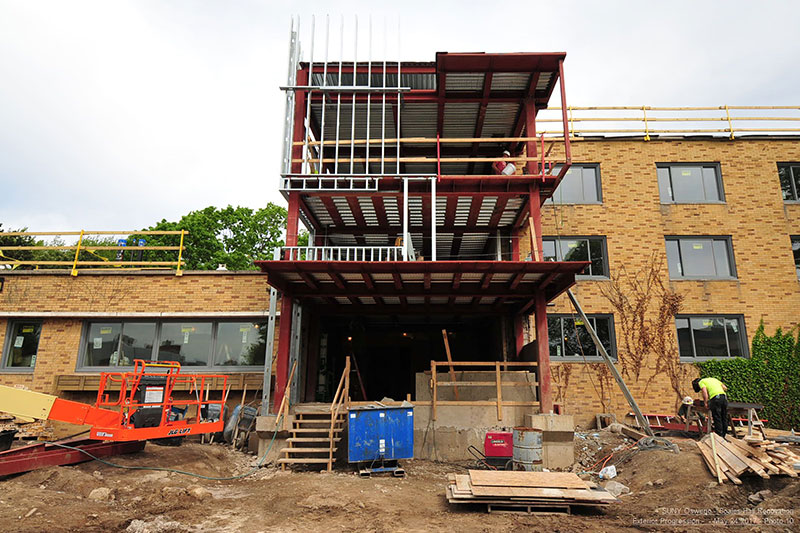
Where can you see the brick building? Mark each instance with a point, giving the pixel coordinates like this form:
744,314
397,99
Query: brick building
754,219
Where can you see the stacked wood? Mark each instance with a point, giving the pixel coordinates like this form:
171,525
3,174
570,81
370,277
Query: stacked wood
729,458
525,491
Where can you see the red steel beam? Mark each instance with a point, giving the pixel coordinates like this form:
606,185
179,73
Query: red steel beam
543,351
43,455
380,211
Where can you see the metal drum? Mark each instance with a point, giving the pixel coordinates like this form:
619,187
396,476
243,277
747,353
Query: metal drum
527,454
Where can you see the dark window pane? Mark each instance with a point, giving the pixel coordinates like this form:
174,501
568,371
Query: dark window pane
684,337
241,343
189,343
137,342
674,259
697,258
796,181
549,250
709,337
589,176
734,337
711,184
602,326
796,253
574,250
555,336
102,344
785,175
687,184
24,344
664,187
721,258
577,342
598,266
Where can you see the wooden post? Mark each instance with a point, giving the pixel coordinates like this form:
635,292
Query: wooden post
499,391
450,362
433,387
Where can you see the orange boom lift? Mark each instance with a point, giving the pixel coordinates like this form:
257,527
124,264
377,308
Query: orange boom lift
132,406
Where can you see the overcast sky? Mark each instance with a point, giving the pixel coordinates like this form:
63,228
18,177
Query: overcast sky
114,115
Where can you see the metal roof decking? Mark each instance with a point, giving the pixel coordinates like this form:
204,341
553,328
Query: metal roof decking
414,286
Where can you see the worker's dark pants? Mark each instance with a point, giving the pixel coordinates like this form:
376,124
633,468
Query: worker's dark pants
719,412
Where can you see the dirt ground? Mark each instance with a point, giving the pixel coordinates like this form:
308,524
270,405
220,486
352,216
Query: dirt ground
669,493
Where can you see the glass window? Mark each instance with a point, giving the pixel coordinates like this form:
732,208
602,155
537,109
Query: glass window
710,336
119,344
188,343
700,257
23,344
580,185
590,249
796,253
789,175
241,343
569,337
689,184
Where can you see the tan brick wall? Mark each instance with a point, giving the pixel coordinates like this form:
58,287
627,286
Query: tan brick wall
635,223
113,293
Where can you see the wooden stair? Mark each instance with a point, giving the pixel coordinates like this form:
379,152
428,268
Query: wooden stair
316,429
311,443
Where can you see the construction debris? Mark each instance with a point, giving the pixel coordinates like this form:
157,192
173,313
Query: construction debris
730,457
26,428
525,491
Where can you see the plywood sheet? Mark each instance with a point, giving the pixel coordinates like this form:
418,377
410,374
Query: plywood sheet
554,480
543,493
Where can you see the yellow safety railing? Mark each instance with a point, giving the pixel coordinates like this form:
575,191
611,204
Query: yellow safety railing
646,121
76,263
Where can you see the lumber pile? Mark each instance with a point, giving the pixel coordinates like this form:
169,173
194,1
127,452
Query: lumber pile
729,458
525,491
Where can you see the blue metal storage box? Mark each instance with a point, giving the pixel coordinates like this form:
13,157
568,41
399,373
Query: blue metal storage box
376,433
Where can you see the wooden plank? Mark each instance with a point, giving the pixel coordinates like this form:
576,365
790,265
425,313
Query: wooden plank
554,480
737,466
548,493
462,483
486,384
499,392
450,361
713,466
742,455
736,480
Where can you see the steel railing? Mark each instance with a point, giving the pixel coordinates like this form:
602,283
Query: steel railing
339,253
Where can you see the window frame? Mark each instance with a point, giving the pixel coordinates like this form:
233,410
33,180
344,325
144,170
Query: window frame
669,166
792,240
745,348
604,247
598,186
210,365
8,343
589,358
731,257
792,182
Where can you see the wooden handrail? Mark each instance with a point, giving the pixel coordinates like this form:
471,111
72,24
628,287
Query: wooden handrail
342,397
285,401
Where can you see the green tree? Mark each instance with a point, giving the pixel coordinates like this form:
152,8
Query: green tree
231,236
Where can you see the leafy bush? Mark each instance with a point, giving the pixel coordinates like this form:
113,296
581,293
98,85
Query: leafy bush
771,376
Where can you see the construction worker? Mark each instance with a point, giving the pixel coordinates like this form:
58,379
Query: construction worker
506,168
715,400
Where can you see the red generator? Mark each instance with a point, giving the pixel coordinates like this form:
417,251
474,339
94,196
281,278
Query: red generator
498,447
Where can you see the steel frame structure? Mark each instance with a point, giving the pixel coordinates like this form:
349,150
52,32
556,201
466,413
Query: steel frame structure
397,154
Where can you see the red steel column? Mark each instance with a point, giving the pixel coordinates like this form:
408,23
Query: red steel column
543,349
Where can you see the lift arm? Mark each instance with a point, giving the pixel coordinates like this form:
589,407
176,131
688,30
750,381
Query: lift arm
610,364
30,404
